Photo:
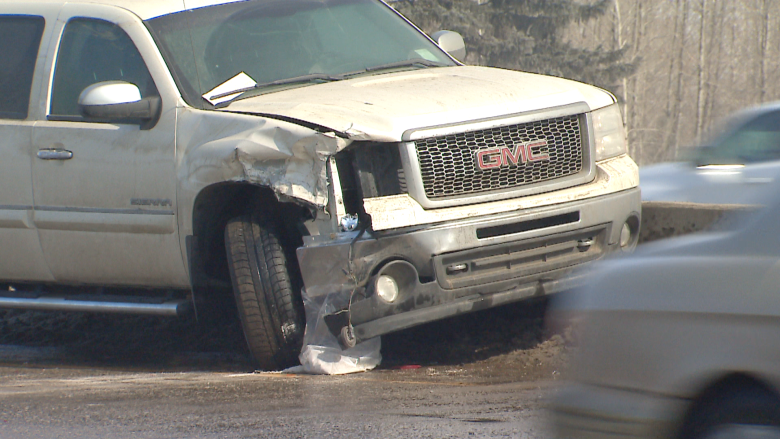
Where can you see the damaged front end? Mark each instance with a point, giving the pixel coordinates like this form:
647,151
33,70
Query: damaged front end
395,232
390,280
389,263
402,232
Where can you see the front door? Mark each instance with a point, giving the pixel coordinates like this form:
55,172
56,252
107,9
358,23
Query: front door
105,192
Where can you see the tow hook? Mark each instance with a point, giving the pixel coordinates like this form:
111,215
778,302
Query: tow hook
347,337
584,244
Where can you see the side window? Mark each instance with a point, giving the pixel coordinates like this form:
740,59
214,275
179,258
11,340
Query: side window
21,37
758,140
93,51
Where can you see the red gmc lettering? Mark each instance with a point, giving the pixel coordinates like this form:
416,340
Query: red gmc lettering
489,158
533,157
504,156
520,155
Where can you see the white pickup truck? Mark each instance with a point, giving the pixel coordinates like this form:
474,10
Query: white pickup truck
158,154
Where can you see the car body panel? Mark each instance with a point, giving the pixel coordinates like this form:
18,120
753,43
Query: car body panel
92,200
21,257
214,147
386,107
674,319
591,412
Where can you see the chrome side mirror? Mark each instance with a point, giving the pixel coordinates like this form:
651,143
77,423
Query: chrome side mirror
117,100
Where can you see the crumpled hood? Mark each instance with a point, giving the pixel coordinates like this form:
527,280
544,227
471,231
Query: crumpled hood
383,107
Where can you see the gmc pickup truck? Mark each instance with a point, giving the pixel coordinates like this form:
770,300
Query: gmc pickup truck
161,154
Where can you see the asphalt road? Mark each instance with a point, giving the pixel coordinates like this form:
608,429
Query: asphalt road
86,376
82,403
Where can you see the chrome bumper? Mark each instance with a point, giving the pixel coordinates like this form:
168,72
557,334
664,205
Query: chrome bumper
509,256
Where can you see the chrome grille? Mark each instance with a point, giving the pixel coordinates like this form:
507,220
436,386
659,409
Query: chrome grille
448,163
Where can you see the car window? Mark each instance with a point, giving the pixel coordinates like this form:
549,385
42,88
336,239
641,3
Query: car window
93,51
755,140
21,37
759,139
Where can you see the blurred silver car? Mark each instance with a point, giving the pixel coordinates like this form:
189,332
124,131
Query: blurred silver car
736,166
679,340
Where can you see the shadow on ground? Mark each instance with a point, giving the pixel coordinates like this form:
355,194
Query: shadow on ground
134,341
512,336
470,337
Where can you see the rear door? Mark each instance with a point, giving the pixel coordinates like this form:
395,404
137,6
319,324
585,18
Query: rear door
105,192
21,32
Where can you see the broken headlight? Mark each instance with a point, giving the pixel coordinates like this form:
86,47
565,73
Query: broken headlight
369,170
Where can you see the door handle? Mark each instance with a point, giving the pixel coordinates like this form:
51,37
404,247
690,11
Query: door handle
55,154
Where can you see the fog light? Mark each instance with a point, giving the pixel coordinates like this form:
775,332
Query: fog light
387,288
625,236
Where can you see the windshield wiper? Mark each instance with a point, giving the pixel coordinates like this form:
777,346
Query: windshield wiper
416,62
305,78
243,92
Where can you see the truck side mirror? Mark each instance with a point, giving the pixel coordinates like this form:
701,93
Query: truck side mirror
118,101
451,42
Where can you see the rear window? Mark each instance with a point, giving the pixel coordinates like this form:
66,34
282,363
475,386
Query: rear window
21,39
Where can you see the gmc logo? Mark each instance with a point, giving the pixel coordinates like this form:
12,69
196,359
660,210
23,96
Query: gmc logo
504,156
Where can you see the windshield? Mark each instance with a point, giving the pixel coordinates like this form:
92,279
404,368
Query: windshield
277,44
751,140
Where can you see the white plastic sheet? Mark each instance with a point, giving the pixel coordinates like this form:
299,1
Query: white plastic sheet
321,353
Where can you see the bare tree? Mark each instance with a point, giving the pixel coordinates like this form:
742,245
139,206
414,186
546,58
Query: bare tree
704,9
764,37
681,26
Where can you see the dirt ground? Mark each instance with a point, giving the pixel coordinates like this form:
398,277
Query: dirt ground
507,344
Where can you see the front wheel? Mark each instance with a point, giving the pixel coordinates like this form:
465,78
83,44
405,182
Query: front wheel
267,290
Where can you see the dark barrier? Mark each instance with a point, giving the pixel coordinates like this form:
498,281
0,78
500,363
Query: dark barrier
665,219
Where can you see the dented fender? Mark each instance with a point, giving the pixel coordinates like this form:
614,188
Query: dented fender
288,158
216,147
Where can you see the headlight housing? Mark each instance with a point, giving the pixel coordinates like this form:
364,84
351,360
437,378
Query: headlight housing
609,132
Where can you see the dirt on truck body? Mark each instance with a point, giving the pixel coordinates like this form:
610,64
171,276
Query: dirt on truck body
178,151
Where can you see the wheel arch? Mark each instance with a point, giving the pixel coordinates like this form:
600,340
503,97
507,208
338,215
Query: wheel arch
212,208
721,387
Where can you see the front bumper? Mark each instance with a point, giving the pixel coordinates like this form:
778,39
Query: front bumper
595,412
509,256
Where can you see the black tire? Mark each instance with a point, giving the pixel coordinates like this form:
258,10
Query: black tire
739,411
267,289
